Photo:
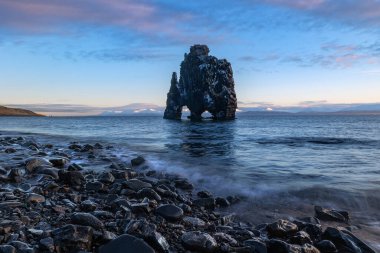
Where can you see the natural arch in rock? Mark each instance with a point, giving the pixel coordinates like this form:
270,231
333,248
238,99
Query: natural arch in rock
205,84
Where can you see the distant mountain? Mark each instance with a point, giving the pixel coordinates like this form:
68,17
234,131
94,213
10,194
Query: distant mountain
263,113
137,109
6,111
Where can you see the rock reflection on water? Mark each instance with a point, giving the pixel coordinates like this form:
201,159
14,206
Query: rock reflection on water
200,139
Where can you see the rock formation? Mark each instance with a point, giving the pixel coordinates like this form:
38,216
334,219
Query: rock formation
205,84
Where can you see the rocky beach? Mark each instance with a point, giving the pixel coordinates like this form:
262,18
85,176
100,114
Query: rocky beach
81,197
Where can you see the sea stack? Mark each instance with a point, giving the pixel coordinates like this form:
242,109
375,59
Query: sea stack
205,84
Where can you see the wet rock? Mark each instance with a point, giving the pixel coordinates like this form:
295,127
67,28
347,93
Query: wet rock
208,203
58,162
330,214
326,246
95,186
137,161
73,238
74,167
281,228
204,194
86,219
147,231
106,178
199,241
7,249
256,245
35,198
21,247
225,238
15,175
301,238
47,244
346,242
139,208
126,243
183,184
205,84
34,162
73,178
53,172
277,246
194,221
136,184
148,193
10,150
313,230
222,202
88,206
170,212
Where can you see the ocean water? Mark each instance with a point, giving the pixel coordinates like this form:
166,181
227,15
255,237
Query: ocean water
281,165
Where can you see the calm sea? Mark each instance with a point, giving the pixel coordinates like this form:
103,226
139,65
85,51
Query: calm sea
283,165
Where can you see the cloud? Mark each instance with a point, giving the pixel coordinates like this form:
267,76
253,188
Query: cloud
330,55
353,12
64,17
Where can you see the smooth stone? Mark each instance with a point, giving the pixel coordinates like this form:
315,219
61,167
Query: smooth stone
7,249
204,194
225,238
148,193
126,243
58,162
35,198
208,203
170,212
35,162
47,244
279,246
282,228
95,186
199,241
183,184
86,219
257,245
326,246
88,206
137,161
194,221
330,214
136,184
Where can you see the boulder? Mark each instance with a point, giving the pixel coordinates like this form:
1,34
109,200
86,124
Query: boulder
73,238
198,241
205,84
126,243
86,219
170,212
330,214
282,228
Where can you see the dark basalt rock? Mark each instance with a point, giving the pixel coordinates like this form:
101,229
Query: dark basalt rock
72,238
86,219
170,212
346,241
330,214
198,241
277,246
282,228
205,84
126,243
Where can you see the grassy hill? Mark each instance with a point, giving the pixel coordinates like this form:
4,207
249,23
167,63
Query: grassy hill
6,111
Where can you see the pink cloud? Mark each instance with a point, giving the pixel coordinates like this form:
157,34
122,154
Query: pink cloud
353,12
53,16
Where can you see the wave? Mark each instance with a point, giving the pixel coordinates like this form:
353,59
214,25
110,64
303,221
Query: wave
300,141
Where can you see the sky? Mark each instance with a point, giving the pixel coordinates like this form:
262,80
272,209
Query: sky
109,53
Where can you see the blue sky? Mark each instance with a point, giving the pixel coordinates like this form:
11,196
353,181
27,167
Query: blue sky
116,52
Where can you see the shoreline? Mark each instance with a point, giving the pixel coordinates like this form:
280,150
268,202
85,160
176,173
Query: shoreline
52,199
